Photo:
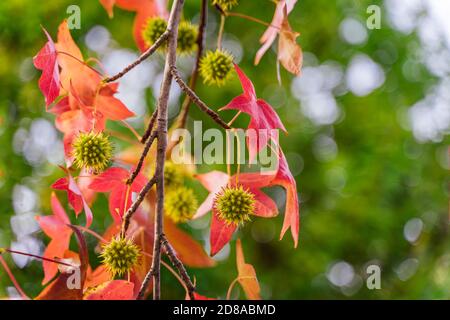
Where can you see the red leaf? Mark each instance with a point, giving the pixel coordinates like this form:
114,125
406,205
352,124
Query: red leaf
54,226
199,297
247,275
112,290
114,180
214,181
46,60
221,233
291,216
265,207
263,118
74,195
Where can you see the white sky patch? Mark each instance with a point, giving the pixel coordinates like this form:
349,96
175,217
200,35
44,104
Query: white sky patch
364,75
353,31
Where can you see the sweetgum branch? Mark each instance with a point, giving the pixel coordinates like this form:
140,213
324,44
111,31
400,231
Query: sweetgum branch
143,56
155,270
195,99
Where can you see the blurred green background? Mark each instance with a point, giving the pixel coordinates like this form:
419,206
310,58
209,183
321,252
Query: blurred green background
368,141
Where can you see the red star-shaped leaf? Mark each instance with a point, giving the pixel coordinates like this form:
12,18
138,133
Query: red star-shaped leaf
46,60
285,179
214,181
74,195
114,180
263,118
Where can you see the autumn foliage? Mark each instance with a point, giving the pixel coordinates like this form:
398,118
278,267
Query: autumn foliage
83,101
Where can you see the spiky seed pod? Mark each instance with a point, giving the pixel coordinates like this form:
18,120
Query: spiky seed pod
92,150
180,204
187,37
234,205
216,67
173,175
226,4
154,28
120,255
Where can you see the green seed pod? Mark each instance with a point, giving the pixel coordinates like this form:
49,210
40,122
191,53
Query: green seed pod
120,255
180,204
234,205
173,175
226,4
216,67
92,150
187,38
154,28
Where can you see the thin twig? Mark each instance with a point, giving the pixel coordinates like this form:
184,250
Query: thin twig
39,257
150,126
147,147
141,196
244,16
195,99
179,266
142,57
173,272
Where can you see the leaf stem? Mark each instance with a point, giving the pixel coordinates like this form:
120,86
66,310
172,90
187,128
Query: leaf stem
221,29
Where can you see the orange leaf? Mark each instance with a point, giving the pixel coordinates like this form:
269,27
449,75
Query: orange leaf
58,289
247,275
144,10
97,277
189,250
54,226
289,52
112,290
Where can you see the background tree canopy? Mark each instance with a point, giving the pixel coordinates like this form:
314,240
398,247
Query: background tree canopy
368,124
